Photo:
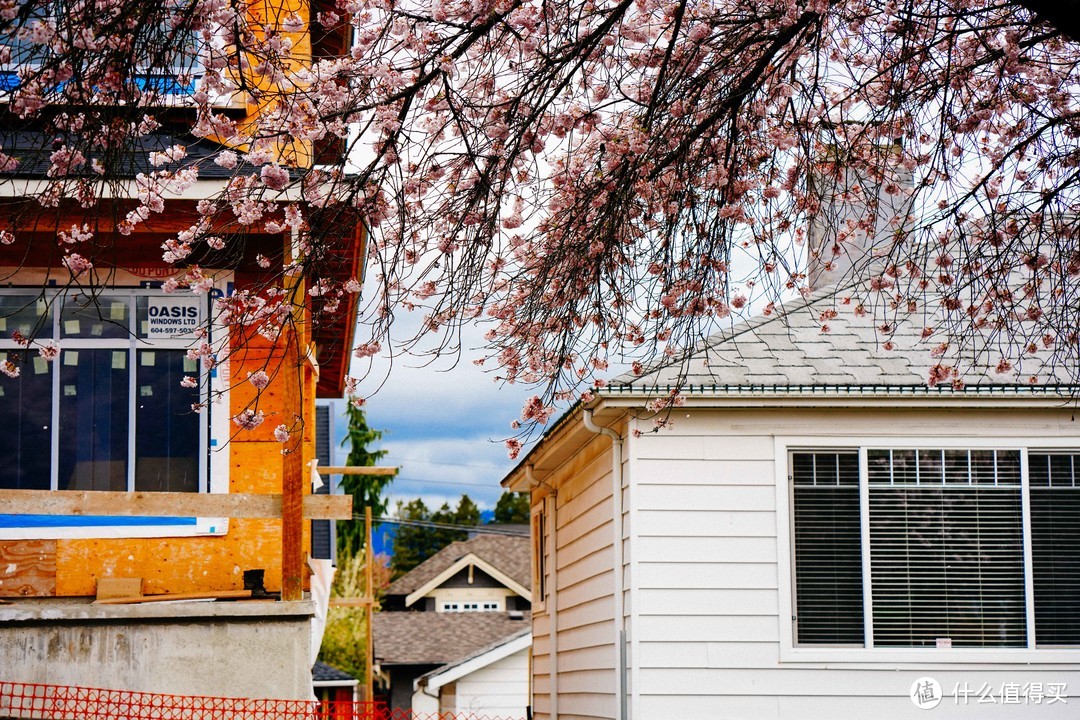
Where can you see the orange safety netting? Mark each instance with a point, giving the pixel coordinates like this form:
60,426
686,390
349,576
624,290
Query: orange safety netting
30,701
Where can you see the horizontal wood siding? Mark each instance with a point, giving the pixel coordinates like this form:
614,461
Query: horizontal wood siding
583,583
704,565
500,690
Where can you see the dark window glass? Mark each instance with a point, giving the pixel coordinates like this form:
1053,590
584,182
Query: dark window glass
26,416
93,419
96,318
167,430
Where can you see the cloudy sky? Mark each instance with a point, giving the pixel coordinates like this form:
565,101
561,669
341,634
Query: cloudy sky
444,427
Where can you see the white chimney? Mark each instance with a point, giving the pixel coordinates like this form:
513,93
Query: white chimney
839,244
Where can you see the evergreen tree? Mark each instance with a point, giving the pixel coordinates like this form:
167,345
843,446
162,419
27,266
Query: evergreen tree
512,509
366,490
414,544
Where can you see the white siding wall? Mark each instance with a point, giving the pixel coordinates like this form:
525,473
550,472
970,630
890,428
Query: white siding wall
705,568
500,690
583,581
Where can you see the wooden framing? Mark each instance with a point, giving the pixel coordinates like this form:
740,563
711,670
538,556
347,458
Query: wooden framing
168,504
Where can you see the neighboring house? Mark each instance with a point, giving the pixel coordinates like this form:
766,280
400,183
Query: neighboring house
109,419
333,684
819,534
454,632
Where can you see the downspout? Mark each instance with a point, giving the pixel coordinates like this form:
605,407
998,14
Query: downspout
617,559
552,606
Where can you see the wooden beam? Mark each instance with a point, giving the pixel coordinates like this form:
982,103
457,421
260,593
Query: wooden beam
351,602
173,597
358,470
167,504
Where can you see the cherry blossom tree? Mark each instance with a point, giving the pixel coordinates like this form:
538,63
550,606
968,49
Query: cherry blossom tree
597,181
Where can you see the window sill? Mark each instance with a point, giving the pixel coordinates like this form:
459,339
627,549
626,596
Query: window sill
916,656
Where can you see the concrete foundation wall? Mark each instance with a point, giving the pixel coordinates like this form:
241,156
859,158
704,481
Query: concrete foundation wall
239,649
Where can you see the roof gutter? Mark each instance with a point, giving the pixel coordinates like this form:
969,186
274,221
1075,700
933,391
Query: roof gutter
619,620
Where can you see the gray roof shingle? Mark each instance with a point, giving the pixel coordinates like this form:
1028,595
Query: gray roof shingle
321,672
438,638
789,349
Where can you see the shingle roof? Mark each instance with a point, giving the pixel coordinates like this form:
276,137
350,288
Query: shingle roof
321,672
33,148
788,349
437,638
476,653
507,553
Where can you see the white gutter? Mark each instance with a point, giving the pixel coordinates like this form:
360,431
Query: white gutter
617,557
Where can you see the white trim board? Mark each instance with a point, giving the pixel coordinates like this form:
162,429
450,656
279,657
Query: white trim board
458,566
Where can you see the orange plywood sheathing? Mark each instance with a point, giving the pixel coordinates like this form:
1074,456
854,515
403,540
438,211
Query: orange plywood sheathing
28,568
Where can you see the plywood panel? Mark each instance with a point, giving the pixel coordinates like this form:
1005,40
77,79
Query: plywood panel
28,568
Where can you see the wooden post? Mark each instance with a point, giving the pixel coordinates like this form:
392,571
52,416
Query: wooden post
369,595
292,481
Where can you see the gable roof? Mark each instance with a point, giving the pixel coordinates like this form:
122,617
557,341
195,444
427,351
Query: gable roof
507,553
329,675
788,351
477,660
436,638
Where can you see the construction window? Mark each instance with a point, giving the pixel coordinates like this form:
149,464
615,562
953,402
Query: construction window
109,411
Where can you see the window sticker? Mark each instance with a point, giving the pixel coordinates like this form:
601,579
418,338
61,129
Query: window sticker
119,359
117,310
3,324
146,390
71,357
97,329
69,391
72,327
41,365
190,365
147,359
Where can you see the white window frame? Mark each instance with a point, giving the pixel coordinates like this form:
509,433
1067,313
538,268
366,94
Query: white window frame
790,652
214,434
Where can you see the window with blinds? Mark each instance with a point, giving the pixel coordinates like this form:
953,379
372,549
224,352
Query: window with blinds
828,548
1055,546
946,548
944,544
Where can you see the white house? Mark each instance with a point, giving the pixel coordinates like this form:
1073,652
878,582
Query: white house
453,635
819,534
